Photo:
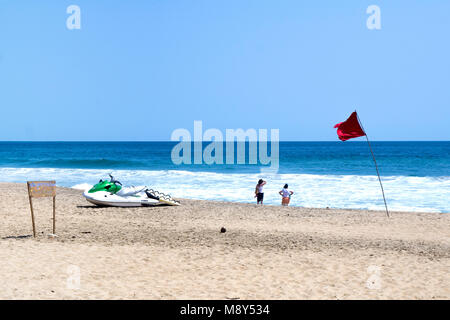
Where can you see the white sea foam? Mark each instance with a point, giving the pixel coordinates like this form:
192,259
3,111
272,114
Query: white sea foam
423,194
82,186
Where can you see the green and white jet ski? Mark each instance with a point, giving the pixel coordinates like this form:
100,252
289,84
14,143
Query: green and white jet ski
112,193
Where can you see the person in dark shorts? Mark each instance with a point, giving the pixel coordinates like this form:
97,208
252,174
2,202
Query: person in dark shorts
259,193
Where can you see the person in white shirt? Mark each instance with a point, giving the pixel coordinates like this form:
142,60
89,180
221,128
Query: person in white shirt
285,195
259,193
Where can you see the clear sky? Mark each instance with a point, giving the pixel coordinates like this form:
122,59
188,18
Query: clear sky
137,70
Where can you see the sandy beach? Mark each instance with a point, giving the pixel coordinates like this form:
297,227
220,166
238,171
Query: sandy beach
268,252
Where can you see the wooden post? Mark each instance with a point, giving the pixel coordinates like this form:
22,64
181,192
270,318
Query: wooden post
54,214
31,207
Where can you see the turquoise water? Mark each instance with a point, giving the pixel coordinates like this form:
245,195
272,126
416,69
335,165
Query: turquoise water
416,175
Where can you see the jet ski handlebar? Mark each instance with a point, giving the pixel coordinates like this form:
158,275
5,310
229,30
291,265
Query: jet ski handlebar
114,180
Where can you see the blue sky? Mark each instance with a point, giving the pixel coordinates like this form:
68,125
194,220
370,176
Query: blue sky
137,70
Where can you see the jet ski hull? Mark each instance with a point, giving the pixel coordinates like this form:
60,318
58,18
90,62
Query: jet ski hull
107,199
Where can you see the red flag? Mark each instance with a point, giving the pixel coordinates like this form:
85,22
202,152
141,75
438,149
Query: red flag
350,128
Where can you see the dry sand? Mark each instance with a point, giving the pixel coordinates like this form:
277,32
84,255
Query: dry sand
267,252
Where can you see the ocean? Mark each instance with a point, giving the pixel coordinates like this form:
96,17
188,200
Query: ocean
415,175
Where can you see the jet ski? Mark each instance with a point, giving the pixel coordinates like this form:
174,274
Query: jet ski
112,193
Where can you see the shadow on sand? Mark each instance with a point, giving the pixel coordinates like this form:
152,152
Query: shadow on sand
18,237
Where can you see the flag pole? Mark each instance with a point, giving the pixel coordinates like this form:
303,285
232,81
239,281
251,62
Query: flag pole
376,166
